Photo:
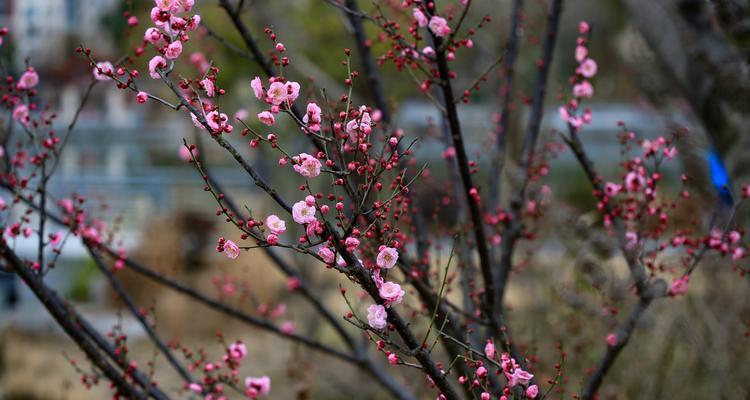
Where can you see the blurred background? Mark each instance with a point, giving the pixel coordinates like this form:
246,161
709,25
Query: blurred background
664,65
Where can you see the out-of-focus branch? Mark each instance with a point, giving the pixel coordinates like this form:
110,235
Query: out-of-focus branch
511,51
125,298
66,320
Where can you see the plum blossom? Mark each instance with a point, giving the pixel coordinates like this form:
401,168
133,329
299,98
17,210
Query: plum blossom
581,53
102,69
588,68
292,91
231,249
387,257
377,316
532,391
634,181
439,26
257,86
275,224
276,93
312,117
256,387
326,254
173,50
28,80
184,153
306,165
679,286
631,240
303,213
362,125
217,121
612,189
21,113
156,63
209,87
489,349
351,243
141,97
518,376
236,351
391,293
611,340
152,35
266,118
419,17
583,90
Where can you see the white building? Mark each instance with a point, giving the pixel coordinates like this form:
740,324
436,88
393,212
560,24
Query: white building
42,28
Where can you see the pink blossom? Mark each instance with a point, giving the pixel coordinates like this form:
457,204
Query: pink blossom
106,68
532,391
439,26
276,224
209,87
217,121
518,376
481,371
377,316
307,165
581,53
634,181
141,97
428,51
588,68
287,327
292,91
351,243
173,50
631,240
391,292
152,35
312,117
327,255
393,358
583,27
21,113
184,153
256,387
679,286
612,189
303,213
484,396
419,17
231,249
156,63
387,257
28,80
257,86
669,152
583,90
276,93
266,118
237,350
489,349
611,340
196,387
165,5
738,253
183,5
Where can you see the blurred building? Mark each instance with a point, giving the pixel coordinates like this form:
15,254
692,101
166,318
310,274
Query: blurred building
41,28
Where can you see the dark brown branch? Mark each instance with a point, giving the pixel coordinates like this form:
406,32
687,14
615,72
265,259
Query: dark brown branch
514,228
463,165
511,51
125,298
65,319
